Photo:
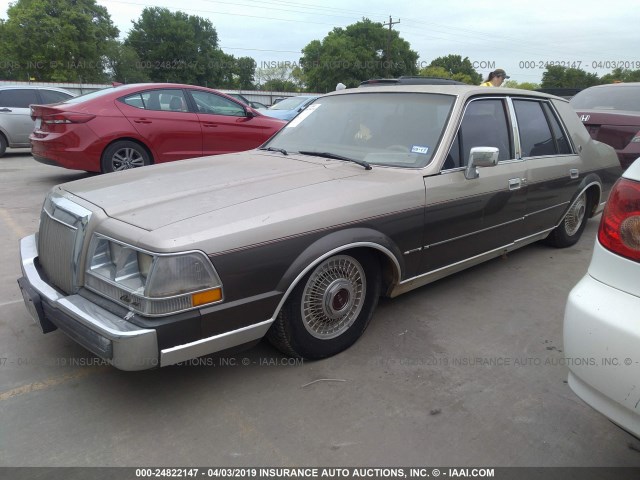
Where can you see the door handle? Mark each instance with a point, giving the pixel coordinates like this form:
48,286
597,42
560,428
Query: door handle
210,125
5,110
143,120
515,183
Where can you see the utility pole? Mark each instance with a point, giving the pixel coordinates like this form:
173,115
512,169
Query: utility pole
388,61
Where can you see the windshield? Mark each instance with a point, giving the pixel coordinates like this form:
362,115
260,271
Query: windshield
392,128
614,97
290,103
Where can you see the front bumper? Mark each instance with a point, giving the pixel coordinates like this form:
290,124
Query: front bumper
124,345
601,343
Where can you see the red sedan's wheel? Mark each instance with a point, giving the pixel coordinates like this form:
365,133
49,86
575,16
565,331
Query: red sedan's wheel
123,155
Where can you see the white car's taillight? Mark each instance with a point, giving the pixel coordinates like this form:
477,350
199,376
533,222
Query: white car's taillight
620,225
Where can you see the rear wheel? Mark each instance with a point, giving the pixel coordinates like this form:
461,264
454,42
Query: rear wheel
330,308
123,155
573,224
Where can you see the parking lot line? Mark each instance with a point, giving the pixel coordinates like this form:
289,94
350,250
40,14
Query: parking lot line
8,220
10,302
48,383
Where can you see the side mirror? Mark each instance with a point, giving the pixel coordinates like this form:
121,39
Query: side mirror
481,157
248,112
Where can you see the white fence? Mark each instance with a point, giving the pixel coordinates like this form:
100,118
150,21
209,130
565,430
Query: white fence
266,97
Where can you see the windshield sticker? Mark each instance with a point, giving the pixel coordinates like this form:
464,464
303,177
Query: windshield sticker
304,114
420,149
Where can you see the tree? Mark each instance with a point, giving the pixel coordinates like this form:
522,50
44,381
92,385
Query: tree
358,52
523,85
123,64
557,76
454,67
279,78
177,47
621,75
245,71
56,40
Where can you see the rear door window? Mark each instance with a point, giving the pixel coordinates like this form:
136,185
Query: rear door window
18,98
540,131
166,100
53,96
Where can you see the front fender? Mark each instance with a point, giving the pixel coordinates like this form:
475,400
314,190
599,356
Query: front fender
340,241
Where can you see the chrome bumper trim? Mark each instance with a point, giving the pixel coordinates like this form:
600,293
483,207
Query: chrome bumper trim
133,348
217,343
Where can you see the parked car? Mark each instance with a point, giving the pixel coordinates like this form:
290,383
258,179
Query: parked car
135,125
409,80
290,107
246,101
601,330
15,117
611,113
367,193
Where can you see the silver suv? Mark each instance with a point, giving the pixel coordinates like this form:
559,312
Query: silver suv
15,117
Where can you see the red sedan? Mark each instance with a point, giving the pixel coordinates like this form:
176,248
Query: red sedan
611,113
135,125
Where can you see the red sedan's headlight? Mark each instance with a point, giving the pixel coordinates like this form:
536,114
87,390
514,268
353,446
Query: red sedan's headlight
620,225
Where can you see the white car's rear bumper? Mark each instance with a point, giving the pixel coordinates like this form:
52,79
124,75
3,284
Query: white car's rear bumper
602,346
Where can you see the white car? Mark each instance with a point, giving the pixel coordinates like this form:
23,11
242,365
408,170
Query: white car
16,123
602,319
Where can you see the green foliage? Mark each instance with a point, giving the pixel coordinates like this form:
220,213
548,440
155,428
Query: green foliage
123,64
621,75
523,85
358,52
279,78
454,67
244,72
557,76
176,47
55,40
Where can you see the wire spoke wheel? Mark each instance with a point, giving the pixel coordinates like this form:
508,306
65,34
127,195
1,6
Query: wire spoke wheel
576,216
333,297
330,308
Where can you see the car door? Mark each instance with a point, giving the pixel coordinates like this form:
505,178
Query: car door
15,116
466,218
553,168
225,124
162,118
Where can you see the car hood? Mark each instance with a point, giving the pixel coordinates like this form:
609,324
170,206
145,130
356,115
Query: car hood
156,196
280,114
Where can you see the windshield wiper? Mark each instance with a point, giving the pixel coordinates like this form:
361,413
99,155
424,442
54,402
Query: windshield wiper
274,149
335,156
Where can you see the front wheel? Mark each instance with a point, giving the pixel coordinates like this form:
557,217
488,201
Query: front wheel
569,231
123,155
330,308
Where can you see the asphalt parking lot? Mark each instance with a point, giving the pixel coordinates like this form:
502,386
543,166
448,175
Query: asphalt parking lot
468,371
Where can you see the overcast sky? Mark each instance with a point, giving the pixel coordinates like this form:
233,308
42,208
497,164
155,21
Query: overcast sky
519,37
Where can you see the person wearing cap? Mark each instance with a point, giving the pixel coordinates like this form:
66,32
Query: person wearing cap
496,78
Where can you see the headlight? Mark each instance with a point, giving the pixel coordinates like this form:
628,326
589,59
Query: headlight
149,283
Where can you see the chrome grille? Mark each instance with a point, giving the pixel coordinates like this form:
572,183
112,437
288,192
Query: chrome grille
62,230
